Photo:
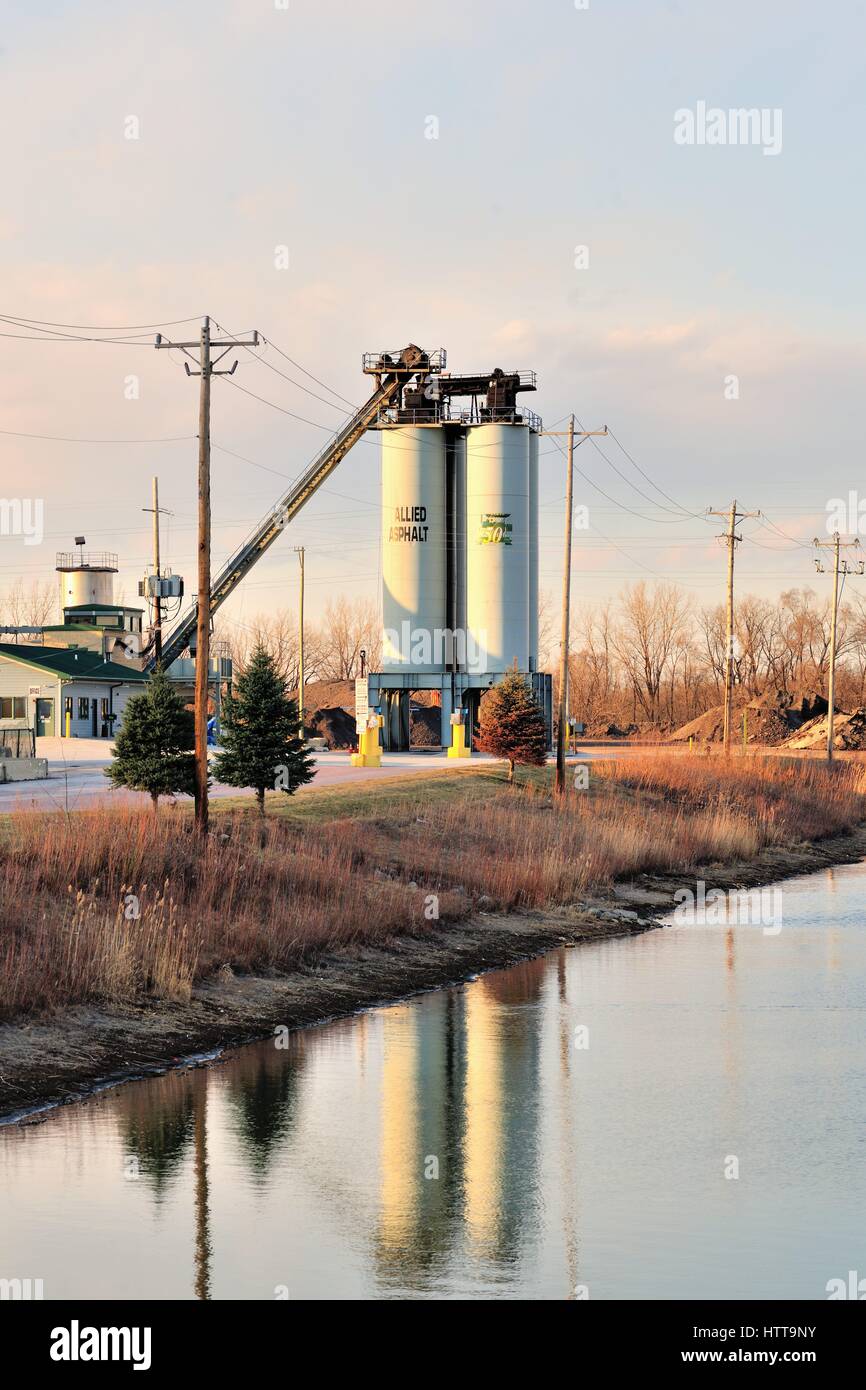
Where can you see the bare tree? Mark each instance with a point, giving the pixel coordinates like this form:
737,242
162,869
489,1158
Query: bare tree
349,627
278,634
546,625
712,625
32,605
645,638
592,666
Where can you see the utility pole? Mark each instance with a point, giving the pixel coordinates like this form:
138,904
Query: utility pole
732,540
206,369
562,732
839,567
301,731
157,601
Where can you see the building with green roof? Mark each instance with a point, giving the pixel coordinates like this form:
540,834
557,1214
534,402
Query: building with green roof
66,690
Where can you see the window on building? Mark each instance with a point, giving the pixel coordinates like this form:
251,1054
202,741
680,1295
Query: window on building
84,707
67,704
13,707
104,708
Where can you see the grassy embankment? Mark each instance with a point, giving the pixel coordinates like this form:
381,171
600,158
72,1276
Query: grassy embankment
340,866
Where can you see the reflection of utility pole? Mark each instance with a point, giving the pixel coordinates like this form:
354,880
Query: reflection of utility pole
839,567
732,539
301,731
562,731
202,1218
157,599
206,366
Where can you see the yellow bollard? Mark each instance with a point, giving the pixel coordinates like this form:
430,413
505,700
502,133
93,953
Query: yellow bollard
458,747
69,723
369,752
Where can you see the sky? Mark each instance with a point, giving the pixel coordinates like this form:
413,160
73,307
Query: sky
431,173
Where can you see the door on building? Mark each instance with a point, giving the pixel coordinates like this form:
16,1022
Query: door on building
44,718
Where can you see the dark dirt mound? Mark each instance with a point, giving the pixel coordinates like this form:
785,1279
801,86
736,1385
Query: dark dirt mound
604,728
425,727
766,721
335,725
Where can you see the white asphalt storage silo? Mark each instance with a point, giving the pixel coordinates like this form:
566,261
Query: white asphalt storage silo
414,548
456,446
533,550
498,545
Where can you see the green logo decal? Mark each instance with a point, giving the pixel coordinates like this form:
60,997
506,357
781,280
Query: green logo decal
495,528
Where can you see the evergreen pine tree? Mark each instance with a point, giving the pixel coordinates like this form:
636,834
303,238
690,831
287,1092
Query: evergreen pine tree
259,742
511,725
153,749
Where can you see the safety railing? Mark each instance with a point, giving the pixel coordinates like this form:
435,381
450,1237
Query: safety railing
388,361
86,560
446,413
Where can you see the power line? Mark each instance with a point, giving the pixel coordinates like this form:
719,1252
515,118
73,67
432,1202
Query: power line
783,534
260,358
67,439
646,475
291,414
323,384
332,405
657,520
629,482
71,338
331,492
99,327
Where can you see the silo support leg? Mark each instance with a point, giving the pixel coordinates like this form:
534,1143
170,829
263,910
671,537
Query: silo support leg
403,714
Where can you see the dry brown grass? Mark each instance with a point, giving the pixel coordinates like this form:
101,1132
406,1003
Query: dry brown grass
275,896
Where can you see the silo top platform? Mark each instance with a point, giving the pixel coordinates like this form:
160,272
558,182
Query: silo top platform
403,361
86,560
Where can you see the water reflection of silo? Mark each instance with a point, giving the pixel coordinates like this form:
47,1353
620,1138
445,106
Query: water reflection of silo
420,1151
500,1144
400,1169
460,1079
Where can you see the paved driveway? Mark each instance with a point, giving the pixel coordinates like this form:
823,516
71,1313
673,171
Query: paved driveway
76,778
